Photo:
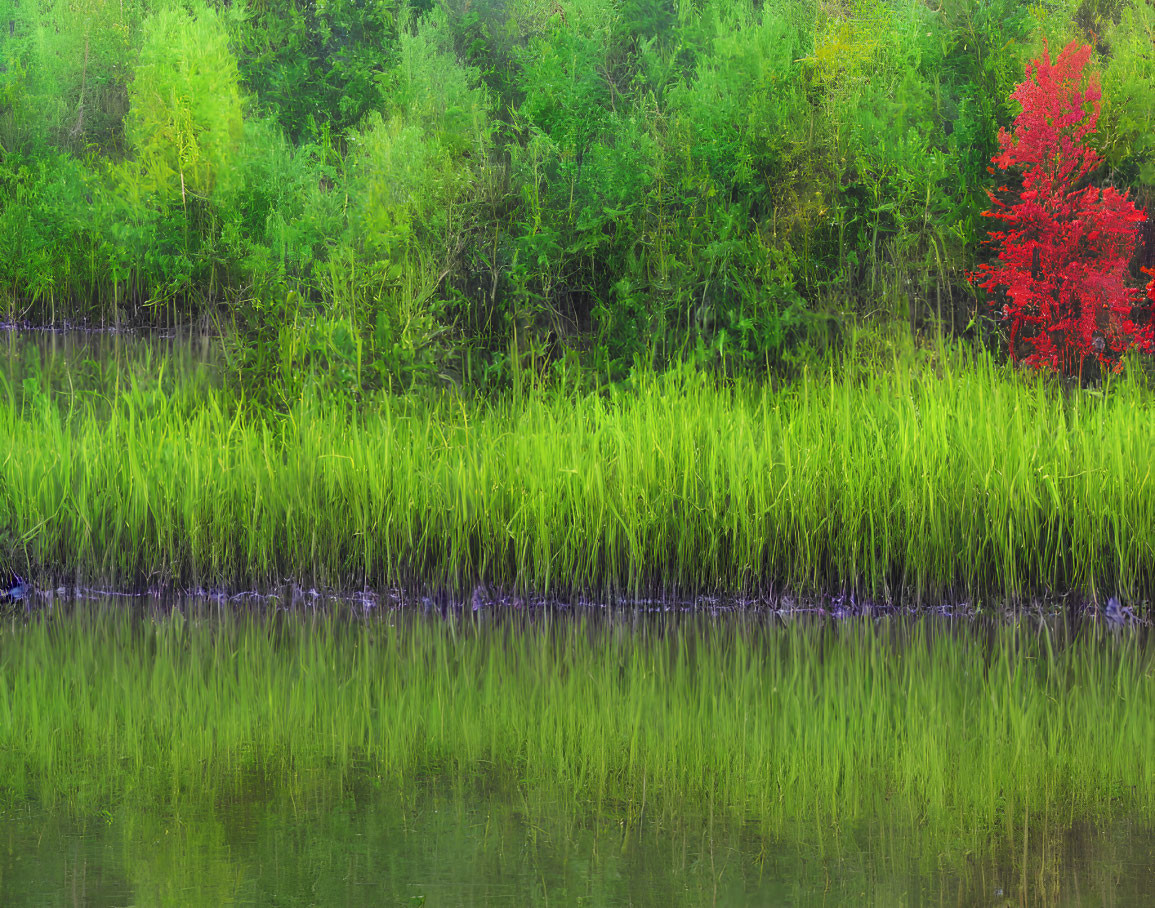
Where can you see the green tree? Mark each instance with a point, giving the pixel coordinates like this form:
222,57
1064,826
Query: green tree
64,67
185,118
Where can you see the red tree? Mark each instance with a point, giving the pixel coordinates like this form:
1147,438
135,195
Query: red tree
1065,247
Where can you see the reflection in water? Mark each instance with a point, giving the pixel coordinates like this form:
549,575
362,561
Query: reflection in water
350,836
467,845
117,346
71,361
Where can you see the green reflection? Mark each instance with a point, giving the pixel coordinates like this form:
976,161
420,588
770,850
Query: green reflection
466,844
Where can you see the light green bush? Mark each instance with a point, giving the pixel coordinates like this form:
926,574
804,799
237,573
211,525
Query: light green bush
1127,125
185,114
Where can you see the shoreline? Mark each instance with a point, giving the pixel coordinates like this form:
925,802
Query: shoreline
1071,608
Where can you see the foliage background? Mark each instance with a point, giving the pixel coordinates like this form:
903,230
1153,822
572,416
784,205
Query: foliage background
458,192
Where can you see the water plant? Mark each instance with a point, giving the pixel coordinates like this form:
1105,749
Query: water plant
938,475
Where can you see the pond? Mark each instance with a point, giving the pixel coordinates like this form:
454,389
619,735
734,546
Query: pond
75,360
114,819
435,844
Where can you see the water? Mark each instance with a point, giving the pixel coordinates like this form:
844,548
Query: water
64,362
437,844
72,346
354,837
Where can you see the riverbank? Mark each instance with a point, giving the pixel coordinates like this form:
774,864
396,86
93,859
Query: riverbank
942,476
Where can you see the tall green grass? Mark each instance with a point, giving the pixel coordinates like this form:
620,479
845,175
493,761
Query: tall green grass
949,476
778,722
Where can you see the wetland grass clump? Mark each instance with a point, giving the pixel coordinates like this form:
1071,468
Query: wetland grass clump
952,476
777,722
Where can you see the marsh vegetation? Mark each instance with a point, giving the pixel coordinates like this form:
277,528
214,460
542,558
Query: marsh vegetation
639,384
938,476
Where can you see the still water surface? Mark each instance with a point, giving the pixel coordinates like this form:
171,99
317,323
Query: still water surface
355,839
71,361
435,844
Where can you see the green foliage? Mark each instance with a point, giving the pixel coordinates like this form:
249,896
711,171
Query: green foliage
1127,126
279,213
65,67
74,244
413,173
90,236
315,66
906,107
43,203
740,107
730,270
475,187
184,120
579,169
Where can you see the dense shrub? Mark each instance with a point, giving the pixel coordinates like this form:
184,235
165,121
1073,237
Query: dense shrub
64,69
184,119
463,189
315,67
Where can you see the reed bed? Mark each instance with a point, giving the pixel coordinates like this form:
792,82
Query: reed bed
951,477
782,723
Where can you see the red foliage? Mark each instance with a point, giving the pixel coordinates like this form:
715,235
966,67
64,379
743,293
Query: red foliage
1065,248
